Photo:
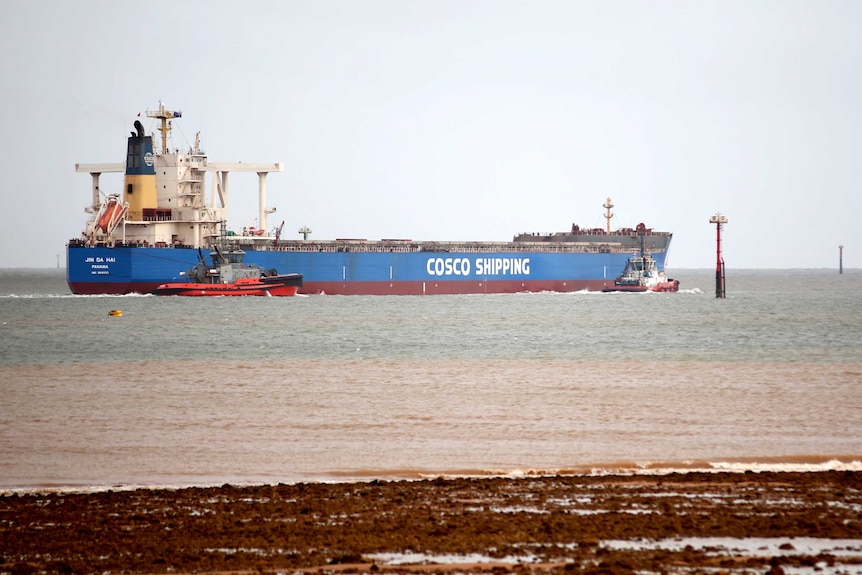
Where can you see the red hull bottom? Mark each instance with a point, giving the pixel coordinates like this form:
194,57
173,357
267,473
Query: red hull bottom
666,287
113,288
384,288
669,286
374,288
204,290
280,286
450,288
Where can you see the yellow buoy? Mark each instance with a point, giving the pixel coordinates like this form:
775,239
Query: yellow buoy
116,312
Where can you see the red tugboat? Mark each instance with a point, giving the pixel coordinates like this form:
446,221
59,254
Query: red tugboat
229,276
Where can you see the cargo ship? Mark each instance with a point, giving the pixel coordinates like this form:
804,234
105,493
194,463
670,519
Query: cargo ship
149,233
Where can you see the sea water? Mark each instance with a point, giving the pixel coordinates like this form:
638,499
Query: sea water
201,391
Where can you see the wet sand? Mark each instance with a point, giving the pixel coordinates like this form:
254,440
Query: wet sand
565,524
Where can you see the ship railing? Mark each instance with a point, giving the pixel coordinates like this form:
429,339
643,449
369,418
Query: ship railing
378,247
336,246
594,235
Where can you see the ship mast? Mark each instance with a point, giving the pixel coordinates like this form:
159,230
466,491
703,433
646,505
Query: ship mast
608,215
165,127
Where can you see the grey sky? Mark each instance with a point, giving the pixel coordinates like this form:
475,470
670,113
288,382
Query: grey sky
473,120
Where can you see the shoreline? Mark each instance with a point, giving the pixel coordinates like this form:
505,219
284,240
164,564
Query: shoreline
761,464
563,523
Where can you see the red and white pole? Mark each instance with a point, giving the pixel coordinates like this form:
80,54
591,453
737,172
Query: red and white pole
718,220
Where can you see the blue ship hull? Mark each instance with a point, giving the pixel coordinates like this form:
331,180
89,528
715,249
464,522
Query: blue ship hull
119,270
